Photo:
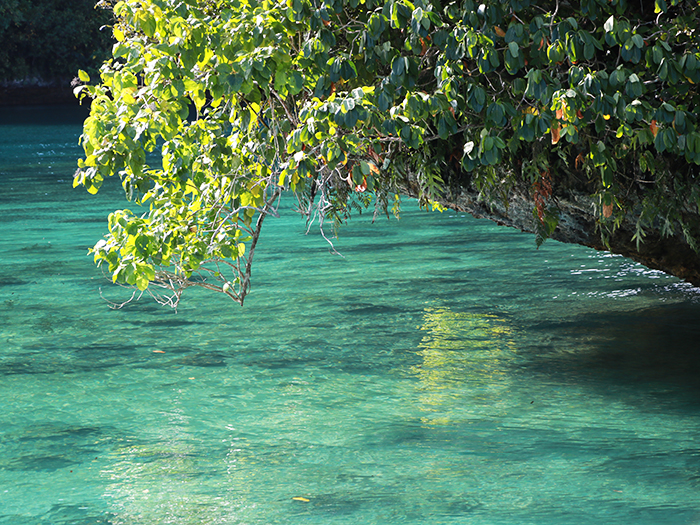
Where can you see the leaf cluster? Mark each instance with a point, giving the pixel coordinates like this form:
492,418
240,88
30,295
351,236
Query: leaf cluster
340,101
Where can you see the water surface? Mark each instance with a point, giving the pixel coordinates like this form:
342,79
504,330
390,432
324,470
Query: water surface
442,371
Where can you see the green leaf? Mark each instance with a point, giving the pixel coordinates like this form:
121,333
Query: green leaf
514,49
364,167
555,52
477,98
141,282
281,81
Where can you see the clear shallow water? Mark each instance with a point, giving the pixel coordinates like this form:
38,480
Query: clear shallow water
443,372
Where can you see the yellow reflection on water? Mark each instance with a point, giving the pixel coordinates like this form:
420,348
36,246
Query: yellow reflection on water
462,353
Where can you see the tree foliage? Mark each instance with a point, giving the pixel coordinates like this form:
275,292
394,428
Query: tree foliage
50,39
338,101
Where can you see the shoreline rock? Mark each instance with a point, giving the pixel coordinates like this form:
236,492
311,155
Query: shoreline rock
577,225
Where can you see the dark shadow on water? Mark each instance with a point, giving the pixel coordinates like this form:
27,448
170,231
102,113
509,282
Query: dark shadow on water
11,281
37,248
49,447
61,434
366,309
172,322
657,349
40,359
65,515
202,360
40,463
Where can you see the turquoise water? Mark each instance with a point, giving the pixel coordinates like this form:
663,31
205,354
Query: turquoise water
442,372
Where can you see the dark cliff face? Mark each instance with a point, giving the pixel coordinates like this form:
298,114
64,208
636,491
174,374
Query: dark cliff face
48,39
578,225
43,44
